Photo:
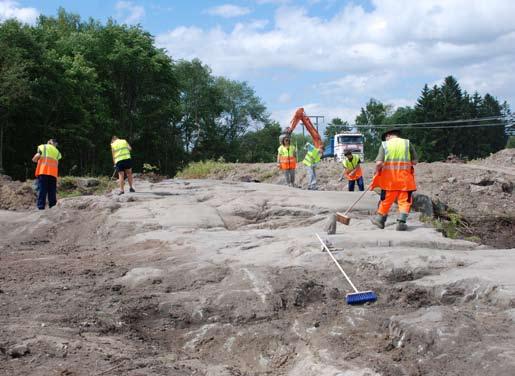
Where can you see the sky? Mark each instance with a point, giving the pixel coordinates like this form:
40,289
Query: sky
328,56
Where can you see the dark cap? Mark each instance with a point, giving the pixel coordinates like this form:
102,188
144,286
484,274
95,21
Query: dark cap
396,131
347,152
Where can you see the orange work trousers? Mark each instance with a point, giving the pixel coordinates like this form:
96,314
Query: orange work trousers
388,198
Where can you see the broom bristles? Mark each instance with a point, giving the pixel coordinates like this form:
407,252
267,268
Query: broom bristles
361,297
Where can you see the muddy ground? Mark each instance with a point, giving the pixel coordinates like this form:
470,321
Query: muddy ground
227,278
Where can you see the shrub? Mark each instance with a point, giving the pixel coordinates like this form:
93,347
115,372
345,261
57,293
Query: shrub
203,169
148,168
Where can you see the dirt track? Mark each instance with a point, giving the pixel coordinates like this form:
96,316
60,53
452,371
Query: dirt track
218,278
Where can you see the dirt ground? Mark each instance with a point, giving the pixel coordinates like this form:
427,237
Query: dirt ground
223,278
15,195
480,192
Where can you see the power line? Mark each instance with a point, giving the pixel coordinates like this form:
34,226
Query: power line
449,124
412,126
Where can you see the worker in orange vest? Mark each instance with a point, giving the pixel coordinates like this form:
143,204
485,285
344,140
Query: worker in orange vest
395,175
47,158
352,171
287,159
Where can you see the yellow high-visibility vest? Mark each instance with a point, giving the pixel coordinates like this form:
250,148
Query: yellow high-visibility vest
120,150
312,157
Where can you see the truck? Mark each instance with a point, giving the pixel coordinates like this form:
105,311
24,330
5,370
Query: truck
342,142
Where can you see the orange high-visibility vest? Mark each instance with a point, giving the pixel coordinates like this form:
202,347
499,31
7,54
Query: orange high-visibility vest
397,173
287,157
48,162
351,165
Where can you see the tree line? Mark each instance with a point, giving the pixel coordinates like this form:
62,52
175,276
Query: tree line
443,103
82,82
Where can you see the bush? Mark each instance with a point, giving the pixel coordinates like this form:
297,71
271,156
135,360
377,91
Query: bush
203,169
148,168
71,186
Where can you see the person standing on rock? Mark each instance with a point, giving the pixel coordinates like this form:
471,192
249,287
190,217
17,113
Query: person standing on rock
121,151
287,159
352,171
311,162
47,158
395,175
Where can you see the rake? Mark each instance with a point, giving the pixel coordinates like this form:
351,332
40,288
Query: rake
358,297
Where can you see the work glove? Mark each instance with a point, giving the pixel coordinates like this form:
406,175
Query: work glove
341,179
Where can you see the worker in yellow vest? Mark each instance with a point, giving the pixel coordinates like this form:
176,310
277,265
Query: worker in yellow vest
311,161
287,159
121,151
47,158
352,171
395,176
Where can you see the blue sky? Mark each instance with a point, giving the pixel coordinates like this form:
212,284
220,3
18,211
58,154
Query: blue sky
328,56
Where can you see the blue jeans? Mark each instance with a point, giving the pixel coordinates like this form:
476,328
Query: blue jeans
47,186
312,177
360,184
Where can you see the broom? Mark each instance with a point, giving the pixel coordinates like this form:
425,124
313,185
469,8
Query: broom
343,218
358,297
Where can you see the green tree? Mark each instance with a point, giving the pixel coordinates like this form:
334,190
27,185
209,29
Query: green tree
374,113
15,44
260,145
200,106
241,109
336,126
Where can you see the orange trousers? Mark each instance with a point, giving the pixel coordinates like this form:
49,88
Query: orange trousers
388,198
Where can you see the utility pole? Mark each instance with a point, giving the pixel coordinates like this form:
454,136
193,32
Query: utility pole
316,117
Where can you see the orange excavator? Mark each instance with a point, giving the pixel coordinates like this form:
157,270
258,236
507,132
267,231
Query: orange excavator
300,116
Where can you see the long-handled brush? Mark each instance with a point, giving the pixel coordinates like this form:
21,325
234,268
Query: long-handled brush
343,218
358,297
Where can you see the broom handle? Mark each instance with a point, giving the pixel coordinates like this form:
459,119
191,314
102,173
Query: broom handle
359,198
337,264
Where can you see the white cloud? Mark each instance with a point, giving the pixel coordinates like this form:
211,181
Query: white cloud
372,51
228,11
401,102
482,78
398,34
371,83
277,2
129,13
12,9
284,98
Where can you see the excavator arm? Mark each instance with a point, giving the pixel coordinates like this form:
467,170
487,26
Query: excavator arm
300,116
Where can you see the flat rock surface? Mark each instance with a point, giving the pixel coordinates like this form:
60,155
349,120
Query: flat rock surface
228,278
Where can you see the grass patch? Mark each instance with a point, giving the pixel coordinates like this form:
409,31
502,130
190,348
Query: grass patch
451,225
204,169
268,174
72,186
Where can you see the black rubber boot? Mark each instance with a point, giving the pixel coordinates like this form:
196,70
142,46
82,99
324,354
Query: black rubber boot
401,226
379,220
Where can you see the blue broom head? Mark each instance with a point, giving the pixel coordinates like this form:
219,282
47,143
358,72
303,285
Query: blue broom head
361,297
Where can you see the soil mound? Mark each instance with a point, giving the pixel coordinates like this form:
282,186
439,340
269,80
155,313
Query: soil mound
15,195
